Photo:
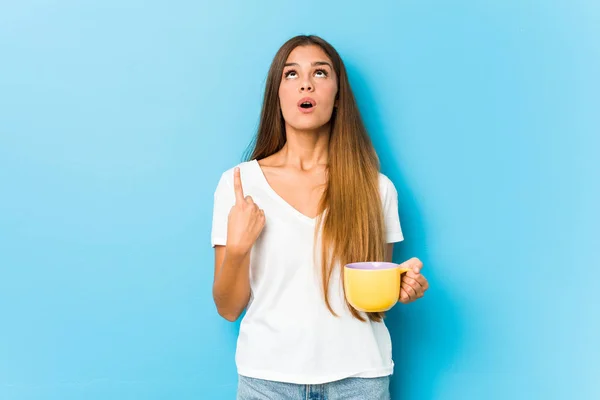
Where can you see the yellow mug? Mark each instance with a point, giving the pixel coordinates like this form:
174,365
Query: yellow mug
372,286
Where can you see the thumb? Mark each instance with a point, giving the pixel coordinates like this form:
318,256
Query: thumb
413,265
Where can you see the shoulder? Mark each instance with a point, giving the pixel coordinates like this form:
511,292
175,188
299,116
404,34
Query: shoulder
246,167
386,186
246,172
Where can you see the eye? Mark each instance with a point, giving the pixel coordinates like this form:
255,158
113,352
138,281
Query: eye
290,74
322,72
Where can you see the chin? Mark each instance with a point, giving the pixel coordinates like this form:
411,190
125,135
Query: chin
308,124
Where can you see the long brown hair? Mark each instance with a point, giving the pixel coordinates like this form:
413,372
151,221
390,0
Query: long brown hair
353,226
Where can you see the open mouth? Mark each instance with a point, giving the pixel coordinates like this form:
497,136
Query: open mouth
307,103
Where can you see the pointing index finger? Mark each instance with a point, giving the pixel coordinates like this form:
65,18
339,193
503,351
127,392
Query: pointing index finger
237,186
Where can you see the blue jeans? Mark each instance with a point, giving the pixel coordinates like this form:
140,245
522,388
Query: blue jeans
345,389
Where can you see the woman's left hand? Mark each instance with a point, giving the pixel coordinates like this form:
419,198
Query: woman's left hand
413,285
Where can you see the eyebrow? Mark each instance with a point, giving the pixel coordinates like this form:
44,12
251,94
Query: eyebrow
314,64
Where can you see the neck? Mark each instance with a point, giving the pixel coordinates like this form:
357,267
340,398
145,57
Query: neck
306,149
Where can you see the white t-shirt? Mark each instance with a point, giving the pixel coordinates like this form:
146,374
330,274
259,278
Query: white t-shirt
287,333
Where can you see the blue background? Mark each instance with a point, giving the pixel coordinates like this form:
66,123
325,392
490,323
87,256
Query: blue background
118,117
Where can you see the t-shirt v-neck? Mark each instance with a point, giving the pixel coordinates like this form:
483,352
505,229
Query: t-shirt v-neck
268,188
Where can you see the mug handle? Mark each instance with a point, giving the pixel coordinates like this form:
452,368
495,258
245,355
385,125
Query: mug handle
403,270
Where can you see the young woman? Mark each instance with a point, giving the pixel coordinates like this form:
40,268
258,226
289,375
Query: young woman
309,200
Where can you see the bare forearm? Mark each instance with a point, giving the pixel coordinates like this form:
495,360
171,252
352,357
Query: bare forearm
231,288
245,222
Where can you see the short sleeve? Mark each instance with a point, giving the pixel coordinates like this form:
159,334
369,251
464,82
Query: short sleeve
393,230
224,199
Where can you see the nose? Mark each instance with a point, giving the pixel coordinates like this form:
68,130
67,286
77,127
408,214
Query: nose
306,86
